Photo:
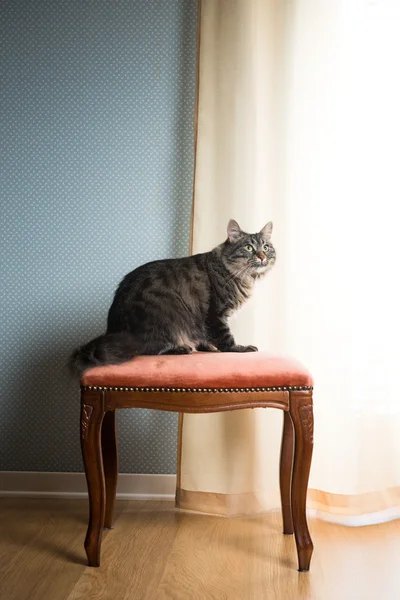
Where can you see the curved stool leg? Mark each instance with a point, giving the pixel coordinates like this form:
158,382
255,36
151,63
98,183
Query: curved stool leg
301,412
92,414
285,472
110,463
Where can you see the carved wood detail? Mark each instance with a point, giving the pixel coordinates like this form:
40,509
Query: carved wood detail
307,420
87,410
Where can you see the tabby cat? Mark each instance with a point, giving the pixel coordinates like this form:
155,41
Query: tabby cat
176,306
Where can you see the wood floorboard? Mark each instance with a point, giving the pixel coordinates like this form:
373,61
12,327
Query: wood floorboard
156,552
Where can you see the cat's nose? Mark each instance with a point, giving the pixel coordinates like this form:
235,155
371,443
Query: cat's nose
261,256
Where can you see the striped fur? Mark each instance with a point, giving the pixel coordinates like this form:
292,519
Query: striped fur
176,306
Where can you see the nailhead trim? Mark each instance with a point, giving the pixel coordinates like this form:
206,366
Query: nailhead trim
196,390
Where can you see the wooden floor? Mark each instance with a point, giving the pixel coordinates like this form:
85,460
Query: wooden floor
157,552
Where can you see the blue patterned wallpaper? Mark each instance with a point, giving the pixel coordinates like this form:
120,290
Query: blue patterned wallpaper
96,160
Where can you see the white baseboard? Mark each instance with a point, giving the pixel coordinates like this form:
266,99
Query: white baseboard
34,484
137,486
383,516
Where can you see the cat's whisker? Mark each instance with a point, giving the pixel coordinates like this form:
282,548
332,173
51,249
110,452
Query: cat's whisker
237,273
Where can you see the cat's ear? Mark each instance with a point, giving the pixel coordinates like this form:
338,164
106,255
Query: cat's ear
267,230
234,231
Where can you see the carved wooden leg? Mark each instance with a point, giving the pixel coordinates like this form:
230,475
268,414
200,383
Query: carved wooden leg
301,412
110,462
92,414
285,476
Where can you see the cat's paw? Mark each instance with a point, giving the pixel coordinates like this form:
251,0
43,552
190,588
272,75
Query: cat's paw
240,348
206,347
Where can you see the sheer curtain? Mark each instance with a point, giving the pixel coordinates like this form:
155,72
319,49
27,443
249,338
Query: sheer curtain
299,122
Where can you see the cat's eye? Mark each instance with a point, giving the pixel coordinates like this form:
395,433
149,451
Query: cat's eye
249,248
266,247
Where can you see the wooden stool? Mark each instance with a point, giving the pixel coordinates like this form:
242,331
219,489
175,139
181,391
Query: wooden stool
197,383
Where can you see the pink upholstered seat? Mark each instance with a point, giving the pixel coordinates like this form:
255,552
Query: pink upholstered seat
202,370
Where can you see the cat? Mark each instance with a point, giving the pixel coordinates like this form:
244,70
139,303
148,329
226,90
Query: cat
177,306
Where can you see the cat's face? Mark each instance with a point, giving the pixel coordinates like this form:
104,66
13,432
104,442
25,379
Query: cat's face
249,253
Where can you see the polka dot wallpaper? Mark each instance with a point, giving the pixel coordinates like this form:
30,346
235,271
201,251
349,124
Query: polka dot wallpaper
96,160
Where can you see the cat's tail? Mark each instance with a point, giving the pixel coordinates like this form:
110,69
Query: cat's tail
110,348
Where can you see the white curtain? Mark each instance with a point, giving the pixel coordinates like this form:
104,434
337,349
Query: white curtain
299,122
